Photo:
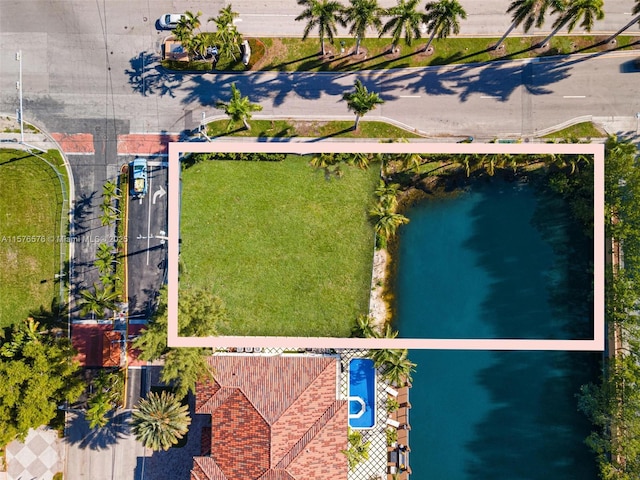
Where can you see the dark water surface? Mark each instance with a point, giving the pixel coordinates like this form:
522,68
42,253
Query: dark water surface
502,260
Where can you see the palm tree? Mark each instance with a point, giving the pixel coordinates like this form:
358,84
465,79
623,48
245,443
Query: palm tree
199,45
634,20
410,161
387,221
110,190
184,31
398,368
104,266
324,160
238,108
226,36
490,163
324,14
226,15
361,101
362,14
405,19
183,34
108,216
442,19
361,160
358,450
99,407
387,194
104,251
470,162
108,209
364,328
160,421
95,302
529,13
587,10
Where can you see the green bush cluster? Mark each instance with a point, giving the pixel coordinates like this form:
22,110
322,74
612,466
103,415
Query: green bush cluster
614,403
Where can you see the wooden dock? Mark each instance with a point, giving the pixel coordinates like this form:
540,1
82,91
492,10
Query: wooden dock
398,467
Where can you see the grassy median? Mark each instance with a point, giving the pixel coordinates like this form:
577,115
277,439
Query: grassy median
311,128
288,249
30,209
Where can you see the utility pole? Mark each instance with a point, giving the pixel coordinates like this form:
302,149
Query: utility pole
19,87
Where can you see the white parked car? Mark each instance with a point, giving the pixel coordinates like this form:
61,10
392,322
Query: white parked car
170,20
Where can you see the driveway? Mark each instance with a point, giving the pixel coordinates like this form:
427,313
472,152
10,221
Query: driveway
109,453
112,453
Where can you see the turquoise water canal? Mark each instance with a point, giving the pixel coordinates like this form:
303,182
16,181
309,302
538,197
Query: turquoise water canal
500,260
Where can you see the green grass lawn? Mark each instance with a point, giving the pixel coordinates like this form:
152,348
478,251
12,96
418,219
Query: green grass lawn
580,130
291,128
30,208
294,54
289,251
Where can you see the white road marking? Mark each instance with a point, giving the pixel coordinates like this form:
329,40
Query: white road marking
149,225
574,96
490,96
159,193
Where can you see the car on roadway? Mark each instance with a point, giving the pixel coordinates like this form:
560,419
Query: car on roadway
170,21
139,179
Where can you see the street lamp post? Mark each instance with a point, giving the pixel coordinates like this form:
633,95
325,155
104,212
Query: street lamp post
19,87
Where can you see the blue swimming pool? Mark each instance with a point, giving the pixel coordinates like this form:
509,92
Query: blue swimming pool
362,393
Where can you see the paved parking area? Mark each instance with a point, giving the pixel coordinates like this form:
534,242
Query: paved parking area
40,457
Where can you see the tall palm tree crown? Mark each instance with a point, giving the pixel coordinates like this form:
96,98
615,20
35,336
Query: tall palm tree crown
160,421
226,36
442,19
95,302
532,12
324,14
362,14
238,108
587,10
361,101
529,13
405,19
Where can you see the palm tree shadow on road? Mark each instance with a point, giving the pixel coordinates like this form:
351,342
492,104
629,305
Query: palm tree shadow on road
80,434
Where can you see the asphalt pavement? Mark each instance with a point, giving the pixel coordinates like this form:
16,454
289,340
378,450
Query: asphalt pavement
146,242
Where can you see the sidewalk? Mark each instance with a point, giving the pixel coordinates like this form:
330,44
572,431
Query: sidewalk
40,457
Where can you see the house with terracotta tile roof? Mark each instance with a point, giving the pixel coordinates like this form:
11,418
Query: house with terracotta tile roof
272,418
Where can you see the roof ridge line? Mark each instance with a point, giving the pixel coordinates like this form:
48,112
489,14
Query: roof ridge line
309,435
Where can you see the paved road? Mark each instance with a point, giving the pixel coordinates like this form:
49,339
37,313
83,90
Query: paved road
146,252
277,17
95,69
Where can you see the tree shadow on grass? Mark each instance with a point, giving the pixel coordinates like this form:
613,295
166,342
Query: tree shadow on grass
281,66
334,134
455,57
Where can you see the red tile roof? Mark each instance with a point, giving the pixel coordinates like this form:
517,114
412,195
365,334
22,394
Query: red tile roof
273,418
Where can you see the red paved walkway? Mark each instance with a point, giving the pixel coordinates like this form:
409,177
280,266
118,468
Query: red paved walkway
95,349
75,143
145,144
